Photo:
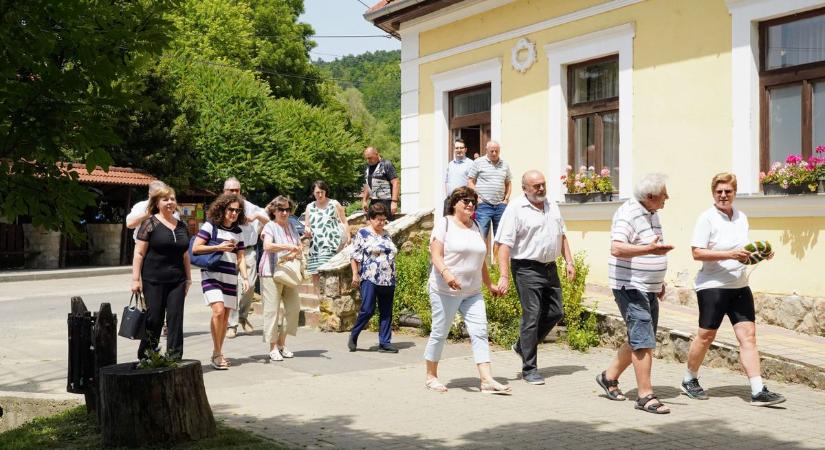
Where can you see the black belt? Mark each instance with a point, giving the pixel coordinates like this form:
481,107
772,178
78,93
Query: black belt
531,262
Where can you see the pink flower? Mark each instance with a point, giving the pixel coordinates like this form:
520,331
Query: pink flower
820,148
793,159
761,176
785,184
775,166
605,172
569,168
563,178
579,185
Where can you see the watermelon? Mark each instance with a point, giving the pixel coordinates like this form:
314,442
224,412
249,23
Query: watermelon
759,251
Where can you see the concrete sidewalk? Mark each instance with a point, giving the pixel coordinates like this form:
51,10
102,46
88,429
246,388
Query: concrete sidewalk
54,274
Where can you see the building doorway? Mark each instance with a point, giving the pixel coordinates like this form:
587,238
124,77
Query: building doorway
470,119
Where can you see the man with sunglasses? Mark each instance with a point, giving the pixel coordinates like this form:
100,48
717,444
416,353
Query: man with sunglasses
531,236
256,218
457,170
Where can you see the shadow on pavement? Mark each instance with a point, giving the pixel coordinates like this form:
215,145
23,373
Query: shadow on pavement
339,432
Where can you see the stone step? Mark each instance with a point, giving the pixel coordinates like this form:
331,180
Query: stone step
309,318
785,355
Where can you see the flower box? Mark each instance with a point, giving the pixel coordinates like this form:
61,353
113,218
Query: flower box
776,189
588,197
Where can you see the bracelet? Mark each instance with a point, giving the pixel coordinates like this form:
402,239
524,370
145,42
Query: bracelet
443,270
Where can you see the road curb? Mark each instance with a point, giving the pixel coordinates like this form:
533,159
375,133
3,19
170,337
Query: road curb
63,273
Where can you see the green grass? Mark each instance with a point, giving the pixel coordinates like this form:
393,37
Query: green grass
74,429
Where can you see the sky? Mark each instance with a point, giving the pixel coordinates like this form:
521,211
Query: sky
343,17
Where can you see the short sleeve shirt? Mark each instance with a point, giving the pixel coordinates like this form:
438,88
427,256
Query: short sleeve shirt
715,231
634,224
163,262
378,179
464,252
376,254
490,179
532,233
249,231
278,235
456,175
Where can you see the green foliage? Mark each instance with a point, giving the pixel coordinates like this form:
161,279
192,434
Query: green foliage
581,324
75,429
156,360
503,312
66,68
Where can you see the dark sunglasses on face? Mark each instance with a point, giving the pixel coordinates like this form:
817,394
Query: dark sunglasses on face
469,201
234,210
282,209
724,191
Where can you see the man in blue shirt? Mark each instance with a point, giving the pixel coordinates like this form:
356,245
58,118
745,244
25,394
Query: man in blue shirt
457,169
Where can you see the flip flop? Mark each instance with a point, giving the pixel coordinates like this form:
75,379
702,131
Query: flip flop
434,385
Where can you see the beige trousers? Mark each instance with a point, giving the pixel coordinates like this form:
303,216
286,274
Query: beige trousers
276,320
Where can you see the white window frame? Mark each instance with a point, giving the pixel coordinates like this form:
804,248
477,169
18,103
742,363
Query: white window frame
745,18
483,72
612,41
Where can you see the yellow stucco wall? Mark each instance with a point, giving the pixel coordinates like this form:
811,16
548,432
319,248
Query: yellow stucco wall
681,127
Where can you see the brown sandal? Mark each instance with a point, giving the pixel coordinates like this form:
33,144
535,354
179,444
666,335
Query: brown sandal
654,406
604,383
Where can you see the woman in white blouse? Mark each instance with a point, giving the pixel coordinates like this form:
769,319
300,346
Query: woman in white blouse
458,269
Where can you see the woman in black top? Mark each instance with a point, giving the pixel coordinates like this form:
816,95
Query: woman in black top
161,270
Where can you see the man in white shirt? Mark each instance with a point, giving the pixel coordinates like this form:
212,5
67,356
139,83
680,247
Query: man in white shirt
531,237
457,170
256,218
636,272
139,212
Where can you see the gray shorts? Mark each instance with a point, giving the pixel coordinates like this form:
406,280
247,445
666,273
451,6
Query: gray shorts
640,311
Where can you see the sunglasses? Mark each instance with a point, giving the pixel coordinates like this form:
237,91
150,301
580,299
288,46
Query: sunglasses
234,210
724,191
469,201
283,209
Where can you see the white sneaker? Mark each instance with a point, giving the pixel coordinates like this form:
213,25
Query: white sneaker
275,355
285,352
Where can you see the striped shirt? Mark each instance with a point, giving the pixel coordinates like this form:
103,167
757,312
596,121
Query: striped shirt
490,179
221,284
634,224
275,233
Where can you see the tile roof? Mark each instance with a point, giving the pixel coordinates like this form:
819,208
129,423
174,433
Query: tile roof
379,5
124,176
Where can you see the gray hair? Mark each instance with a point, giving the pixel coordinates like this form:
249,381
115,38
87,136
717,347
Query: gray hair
492,143
650,184
231,180
155,186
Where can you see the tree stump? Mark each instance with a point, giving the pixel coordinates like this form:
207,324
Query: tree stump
150,406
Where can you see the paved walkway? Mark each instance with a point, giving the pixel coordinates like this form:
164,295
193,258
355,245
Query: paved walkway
328,397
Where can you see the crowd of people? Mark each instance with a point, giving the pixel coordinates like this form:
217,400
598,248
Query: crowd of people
528,236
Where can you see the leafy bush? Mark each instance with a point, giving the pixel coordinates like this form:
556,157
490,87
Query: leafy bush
503,313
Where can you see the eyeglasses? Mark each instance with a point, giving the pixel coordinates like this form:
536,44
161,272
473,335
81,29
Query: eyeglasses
234,210
460,148
283,209
723,191
469,201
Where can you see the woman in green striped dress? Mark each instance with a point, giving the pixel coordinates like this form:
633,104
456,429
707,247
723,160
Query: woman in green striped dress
326,224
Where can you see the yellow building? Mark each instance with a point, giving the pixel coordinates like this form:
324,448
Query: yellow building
688,88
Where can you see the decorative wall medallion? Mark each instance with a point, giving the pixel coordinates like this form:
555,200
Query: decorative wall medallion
523,55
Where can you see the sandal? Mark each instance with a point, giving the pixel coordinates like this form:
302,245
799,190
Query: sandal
654,406
218,362
434,385
615,394
495,387
226,362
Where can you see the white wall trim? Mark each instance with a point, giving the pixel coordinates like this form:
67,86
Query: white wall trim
805,205
488,71
452,13
518,32
410,159
745,18
617,40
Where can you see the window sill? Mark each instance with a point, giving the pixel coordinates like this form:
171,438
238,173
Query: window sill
591,211
802,205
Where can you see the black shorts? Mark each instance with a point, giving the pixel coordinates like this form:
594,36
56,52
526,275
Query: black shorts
715,304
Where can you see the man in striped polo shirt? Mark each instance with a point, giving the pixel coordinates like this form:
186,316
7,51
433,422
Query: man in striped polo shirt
636,268
490,177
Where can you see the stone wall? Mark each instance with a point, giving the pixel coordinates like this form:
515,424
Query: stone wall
104,243
794,312
673,345
340,301
42,247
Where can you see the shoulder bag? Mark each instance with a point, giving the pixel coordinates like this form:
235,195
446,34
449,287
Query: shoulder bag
207,261
133,320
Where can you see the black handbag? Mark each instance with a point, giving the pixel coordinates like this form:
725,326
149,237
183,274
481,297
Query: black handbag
133,320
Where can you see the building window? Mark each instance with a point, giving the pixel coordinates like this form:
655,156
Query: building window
593,115
792,86
470,119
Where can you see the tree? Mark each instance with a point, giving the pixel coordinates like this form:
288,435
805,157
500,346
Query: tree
66,67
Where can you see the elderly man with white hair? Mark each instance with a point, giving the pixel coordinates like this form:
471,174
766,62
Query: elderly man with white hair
139,211
636,269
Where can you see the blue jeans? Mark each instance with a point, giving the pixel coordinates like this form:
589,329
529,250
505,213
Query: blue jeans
372,294
475,318
640,311
486,213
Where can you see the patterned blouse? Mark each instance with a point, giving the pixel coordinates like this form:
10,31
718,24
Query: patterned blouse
376,255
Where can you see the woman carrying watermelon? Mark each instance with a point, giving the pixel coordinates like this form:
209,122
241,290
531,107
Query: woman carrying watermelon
720,241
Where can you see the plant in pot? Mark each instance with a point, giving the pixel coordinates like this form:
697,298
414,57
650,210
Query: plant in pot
795,176
587,185
818,162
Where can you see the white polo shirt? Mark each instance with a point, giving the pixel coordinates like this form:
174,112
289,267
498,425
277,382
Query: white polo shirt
634,224
715,231
249,231
531,233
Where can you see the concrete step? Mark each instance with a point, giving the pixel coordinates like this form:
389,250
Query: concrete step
309,318
310,301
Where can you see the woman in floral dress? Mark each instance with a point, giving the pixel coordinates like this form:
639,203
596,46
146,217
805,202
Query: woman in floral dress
323,224
373,271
